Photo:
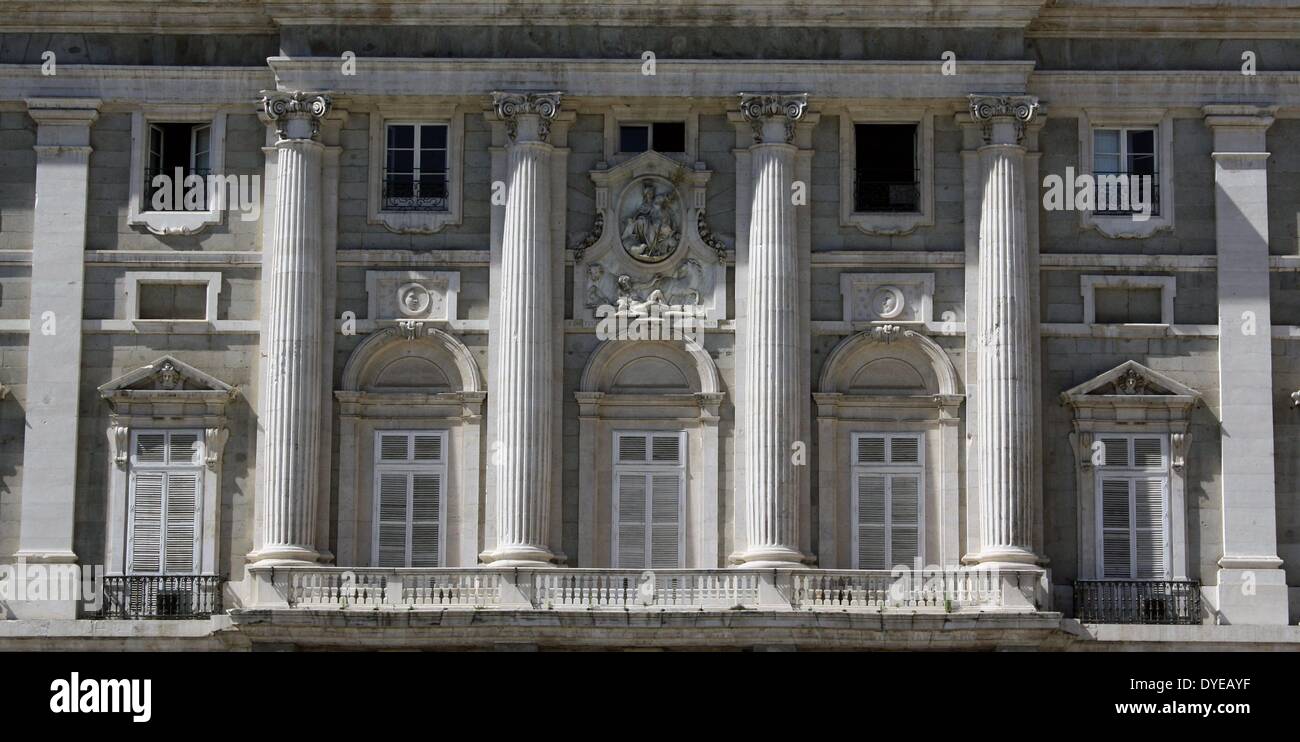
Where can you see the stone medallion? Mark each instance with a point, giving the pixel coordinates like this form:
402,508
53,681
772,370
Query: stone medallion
650,220
413,300
887,302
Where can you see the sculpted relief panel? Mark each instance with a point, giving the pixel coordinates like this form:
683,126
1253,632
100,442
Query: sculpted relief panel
649,250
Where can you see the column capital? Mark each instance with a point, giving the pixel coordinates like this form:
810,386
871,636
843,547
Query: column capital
773,115
296,114
987,110
535,110
1260,117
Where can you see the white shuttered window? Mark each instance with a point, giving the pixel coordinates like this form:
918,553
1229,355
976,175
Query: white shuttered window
164,531
649,495
888,487
1133,507
410,478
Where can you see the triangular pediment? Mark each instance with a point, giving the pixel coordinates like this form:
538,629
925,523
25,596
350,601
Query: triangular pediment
1129,379
167,374
645,163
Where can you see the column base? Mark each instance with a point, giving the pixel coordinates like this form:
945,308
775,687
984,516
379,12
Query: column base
772,557
1006,557
287,556
518,556
1255,596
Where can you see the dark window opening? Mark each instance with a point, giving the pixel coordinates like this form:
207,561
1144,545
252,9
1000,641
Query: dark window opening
886,176
1122,306
661,136
176,150
415,167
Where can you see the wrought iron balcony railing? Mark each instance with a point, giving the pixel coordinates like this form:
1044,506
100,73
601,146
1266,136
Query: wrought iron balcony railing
160,597
874,192
1116,193
170,185
1138,601
414,193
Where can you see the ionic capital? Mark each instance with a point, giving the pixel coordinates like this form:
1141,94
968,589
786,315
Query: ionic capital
986,110
296,115
773,116
535,111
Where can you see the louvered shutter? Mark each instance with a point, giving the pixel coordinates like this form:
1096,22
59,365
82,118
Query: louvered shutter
391,526
151,448
394,447
904,450
1116,531
1149,529
1116,450
146,520
666,449
631,525
181,549
426,501
665,520
904,520
427,447
631,449
1148,453
871,521
871,449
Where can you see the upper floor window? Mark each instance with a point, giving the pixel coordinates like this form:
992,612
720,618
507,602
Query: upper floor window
1125,170
887,173
415,167
660,136
649,490
1132,507
887,499
410,476
164,529
176,151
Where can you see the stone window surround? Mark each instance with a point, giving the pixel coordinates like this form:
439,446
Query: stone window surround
1166,284
137,410
173,222
600,414
887,223
211,279
936,417
649,113
1151,414
416,222
362,412
1162,120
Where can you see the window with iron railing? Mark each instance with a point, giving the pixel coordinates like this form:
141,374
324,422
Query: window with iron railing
887,175
143,597
1125,171
415,167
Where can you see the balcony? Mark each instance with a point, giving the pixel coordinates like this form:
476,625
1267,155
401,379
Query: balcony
418,192
1171,602
562,589
170,597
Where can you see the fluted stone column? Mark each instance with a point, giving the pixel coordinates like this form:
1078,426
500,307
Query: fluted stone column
292,380
1007,427
522,378
775,393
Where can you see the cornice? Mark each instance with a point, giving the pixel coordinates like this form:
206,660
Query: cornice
1244,19
135,84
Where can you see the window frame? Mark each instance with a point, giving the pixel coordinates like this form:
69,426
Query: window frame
415,222
888,468
650,136
1167,285
134,279
1123,226
648,469
136,467
410,468
1131,473
887,223
175,222
648,115
416,150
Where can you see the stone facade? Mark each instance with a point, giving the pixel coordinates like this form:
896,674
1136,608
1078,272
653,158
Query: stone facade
642,261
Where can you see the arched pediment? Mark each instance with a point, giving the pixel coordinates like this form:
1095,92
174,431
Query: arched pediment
889,361
433,361
649,367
